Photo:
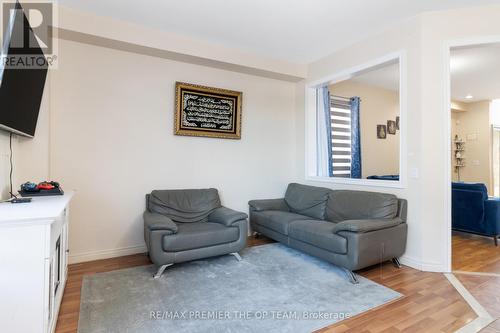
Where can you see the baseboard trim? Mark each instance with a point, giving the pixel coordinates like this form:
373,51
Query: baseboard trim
105,254
421,265
125,251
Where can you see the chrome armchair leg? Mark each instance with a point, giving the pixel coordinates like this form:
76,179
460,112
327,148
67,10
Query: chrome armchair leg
160,271
396,262
236,255
351,276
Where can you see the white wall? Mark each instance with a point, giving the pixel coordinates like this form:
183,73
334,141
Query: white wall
4,165
495,112
30,155
111,139
495,143
30,158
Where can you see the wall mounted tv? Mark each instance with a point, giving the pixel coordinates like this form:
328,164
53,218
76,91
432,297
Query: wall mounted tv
21,87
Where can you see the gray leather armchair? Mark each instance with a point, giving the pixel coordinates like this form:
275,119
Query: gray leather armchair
184,225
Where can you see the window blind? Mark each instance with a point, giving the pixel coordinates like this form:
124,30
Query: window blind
340,113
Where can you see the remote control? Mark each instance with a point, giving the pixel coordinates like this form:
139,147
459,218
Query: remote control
20,200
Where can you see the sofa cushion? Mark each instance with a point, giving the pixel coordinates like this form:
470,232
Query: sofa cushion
184,205
307,200
318,233
276,220
359,205
198,235
479,187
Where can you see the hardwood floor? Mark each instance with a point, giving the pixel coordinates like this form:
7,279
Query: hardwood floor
477,254
485,290
474,253
430,303
67,320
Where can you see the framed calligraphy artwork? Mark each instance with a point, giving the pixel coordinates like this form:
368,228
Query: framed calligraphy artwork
206,111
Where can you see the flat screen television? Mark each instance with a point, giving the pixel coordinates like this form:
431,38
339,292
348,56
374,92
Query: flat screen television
21,88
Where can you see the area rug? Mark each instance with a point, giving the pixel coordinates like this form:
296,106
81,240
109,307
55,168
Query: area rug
273,289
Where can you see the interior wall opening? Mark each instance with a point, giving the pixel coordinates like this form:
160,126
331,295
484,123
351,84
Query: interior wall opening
475,157
357,125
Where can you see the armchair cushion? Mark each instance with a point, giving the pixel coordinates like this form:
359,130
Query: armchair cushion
226,216
361,226
154,221
184,205
269,204
199,235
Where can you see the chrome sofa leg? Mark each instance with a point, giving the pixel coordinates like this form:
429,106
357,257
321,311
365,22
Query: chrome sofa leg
351,276
160,271
236,255
396,262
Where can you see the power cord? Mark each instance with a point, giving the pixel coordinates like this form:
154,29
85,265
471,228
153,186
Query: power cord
11,168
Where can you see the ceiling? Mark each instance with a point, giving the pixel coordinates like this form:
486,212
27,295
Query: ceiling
475,71
299,31
385,76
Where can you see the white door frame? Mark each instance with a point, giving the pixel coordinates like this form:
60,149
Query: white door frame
448,45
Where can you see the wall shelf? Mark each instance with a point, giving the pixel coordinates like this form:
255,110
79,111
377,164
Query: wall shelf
458,154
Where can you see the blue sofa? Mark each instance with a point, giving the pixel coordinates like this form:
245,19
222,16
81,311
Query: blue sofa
473,211
384,177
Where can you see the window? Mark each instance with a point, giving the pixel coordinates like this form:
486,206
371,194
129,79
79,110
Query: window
354,127
340,113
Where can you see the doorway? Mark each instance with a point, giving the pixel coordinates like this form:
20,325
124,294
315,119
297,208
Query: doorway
475,170
475,157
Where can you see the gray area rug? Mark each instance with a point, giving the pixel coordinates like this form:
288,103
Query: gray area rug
274,289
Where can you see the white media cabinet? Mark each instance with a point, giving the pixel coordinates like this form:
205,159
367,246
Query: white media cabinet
33,263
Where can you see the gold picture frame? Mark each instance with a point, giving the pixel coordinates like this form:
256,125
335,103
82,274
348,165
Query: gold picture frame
207,111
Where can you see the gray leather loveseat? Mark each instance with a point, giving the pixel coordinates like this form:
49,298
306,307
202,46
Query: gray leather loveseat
184,225
351,229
